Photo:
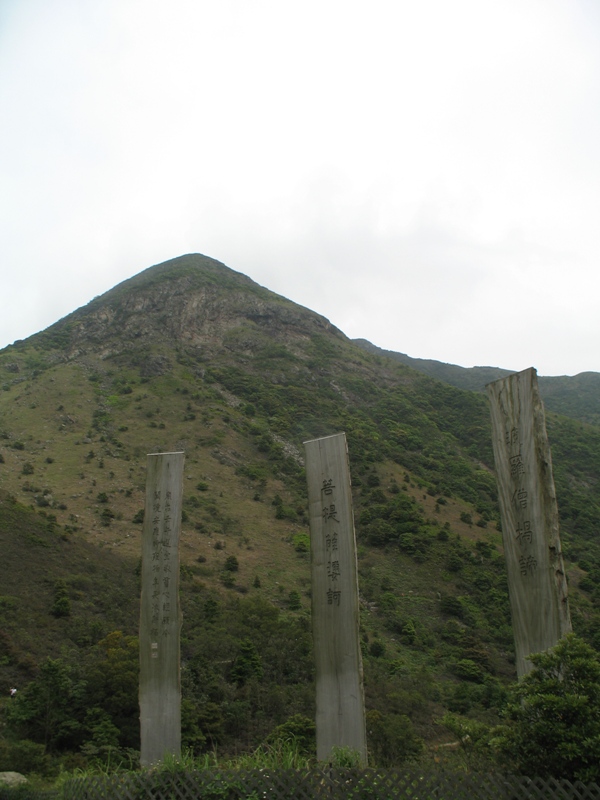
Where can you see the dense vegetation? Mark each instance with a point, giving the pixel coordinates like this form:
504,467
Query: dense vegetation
577,397
239,387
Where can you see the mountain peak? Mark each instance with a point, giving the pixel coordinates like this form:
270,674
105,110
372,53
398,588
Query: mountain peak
191,300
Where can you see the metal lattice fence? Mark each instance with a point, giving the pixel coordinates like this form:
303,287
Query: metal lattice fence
353,784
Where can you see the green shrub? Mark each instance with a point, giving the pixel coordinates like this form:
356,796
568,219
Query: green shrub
231,564
452,606
392,739
25,756
247,665
468,670
106,516
554,714
62,603
301,542
377,649
454,563
299,730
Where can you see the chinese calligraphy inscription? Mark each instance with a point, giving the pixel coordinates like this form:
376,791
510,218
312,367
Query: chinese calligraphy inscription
160,694
537,584
340,700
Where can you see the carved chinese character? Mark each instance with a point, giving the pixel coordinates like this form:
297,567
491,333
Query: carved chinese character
516,466
328,486
329,512
520,498
528,565
333,597
333,570
524,533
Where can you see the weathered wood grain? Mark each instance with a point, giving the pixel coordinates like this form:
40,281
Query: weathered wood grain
536,577
340,716
160,617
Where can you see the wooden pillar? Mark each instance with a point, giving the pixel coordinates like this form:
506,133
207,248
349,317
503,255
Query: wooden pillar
536,578
340,718
160,617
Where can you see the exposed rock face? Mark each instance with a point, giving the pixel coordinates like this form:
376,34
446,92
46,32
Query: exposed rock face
191,301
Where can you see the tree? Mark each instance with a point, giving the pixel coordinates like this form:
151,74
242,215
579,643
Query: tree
392,739
247,665
62,604
299,731
555,714
50,708
112,675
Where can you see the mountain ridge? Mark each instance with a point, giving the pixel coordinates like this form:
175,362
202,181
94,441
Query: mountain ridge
576,396
191,356
181,298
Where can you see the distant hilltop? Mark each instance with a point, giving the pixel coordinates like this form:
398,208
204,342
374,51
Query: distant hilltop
577,396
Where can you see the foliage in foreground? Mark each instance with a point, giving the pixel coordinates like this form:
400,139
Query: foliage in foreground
554,714
552,729
551,720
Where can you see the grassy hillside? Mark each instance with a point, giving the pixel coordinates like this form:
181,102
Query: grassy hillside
192,356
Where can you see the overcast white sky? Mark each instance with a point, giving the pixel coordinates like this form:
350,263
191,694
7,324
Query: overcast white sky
424,173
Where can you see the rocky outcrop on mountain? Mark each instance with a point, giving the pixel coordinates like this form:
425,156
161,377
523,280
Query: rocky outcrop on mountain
192,301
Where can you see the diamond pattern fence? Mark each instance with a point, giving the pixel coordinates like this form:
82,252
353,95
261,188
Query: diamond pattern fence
351,784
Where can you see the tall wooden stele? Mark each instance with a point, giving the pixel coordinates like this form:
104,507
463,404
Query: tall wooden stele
536,578
160,617
340,717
